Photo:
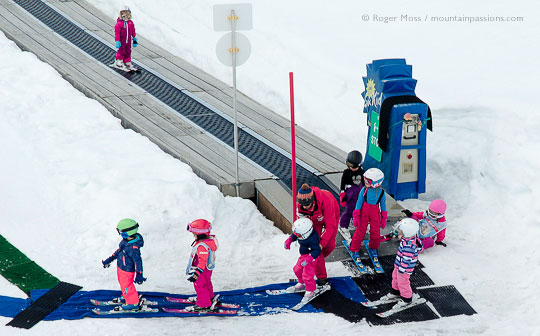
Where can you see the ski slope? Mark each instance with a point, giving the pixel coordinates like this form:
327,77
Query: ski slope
69,170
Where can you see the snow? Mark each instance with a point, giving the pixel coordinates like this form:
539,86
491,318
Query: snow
69,170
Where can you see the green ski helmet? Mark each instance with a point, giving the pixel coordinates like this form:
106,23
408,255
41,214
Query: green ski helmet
127,227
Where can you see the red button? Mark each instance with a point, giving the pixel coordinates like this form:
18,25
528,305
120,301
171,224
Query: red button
409,156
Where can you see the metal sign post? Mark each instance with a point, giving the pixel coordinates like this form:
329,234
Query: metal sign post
233,51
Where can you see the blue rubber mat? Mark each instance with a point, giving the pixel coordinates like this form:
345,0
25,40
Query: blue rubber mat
253,301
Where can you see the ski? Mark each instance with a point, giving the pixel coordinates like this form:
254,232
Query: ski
288,290
387,237
193,299
118,301
373,255
124,69
142,310
379,302
316,293
361,267
203,312
402,308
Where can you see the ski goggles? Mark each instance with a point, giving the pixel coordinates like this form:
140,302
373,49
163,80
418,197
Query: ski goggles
128,229
198,230
298,235
433,214
305,202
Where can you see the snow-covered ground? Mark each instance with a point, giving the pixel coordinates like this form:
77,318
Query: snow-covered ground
69,171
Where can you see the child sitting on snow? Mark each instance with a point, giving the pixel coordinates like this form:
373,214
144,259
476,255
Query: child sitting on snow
124,32
201,263
432,223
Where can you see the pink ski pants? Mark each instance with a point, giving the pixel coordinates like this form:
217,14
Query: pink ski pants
204,289
401,282
370,215
124,52
306,274
126,286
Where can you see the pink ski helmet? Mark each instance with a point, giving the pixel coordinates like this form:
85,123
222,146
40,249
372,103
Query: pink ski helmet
437,208
199,226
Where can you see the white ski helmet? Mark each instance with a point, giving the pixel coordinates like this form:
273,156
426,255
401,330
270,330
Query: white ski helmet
126,10
409,227
375,175
302,227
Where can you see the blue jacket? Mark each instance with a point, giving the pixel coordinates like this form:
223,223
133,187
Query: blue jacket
128,255
309,245
372,196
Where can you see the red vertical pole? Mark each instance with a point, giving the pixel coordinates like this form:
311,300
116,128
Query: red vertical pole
293,147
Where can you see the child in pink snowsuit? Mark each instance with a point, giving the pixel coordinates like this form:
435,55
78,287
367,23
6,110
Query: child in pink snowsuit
124,32
202,262
370,210
432,223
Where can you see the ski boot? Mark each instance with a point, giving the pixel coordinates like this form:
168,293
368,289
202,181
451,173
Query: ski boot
130,67
134,306
199,309
119,64
393,295
345,233
402,302
323,282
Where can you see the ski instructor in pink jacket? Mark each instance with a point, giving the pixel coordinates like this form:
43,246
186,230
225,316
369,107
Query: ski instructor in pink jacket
322,208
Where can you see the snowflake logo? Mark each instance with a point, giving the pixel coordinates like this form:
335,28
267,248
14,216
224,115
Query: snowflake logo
370,88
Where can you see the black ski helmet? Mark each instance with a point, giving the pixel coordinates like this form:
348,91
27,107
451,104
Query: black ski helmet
354,159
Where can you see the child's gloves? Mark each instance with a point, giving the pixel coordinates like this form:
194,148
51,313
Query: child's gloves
118,44
194,274
384,219
440,243
135,43
309,259
343,199
287,243
407,213
107,262
356,217
139,279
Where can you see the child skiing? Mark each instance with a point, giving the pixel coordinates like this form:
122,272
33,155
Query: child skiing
310,250
124,32
370,210
129,264
351,183
432,223
406,258
200,265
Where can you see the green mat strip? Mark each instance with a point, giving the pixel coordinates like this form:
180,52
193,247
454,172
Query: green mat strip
18,269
